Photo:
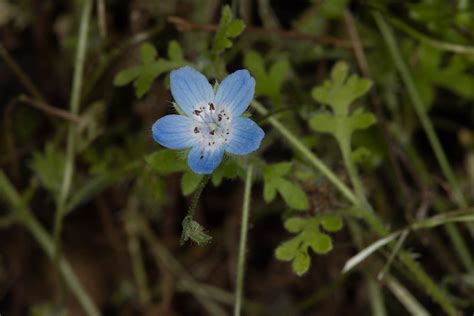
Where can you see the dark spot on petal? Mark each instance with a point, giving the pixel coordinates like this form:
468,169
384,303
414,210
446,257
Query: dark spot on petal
213,143
219,117
196,130
212,132
197,112
209,144
201,157
211,106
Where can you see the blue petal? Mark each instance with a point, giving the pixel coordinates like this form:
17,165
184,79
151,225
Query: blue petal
190,88
203,160
236,91
246,136
174,131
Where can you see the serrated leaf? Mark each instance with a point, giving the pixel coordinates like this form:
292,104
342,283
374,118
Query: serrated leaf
277,170
166,161
228,29
339,72
331,223
147,53
49,167
126,76
293,195
301,263
189,182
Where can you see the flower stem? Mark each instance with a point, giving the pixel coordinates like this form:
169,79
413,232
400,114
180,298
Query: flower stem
315,161
239,281
71,136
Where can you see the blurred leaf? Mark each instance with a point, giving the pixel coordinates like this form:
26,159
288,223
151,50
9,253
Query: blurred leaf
166,161
91,125
270,83
228,29
189,182
333,8
293,195
274,181
228,169
49,168
308,236
150,68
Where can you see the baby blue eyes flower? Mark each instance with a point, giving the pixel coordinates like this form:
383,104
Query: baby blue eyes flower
212,124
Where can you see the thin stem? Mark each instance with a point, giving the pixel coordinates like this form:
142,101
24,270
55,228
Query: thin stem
74,109
420,276
23,215
197,195
306,152
20,74
451,47
355,179
389,38
239,281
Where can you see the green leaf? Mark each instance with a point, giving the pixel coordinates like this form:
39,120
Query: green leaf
331,223
361,120
174,51
301,263
226,170
189,182
293,195
150,68
126,76
147,53
295,224
308,236
321,243
228,29
166,161
270,83
48,167
278,169
269,191
287,250
323,123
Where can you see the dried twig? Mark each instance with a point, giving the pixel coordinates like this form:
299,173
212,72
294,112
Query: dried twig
49,109
183,25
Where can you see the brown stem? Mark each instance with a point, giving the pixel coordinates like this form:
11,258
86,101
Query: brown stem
49,109
184,25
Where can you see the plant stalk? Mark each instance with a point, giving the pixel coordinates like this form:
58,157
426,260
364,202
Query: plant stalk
239,283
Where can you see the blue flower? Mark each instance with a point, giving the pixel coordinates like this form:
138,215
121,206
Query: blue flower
212,124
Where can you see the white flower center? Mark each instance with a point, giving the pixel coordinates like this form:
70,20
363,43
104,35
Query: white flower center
212,125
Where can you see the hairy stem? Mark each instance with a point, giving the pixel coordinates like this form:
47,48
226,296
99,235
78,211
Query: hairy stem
239,281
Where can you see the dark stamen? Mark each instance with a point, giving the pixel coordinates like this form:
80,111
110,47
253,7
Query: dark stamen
197,112
211,107
196,130
219,117
212,132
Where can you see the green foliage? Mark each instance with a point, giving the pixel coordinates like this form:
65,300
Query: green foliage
338,93
190,182
48,167
268,83
229,28
166,161
194,231
150,68
274,180
451,73
309,235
